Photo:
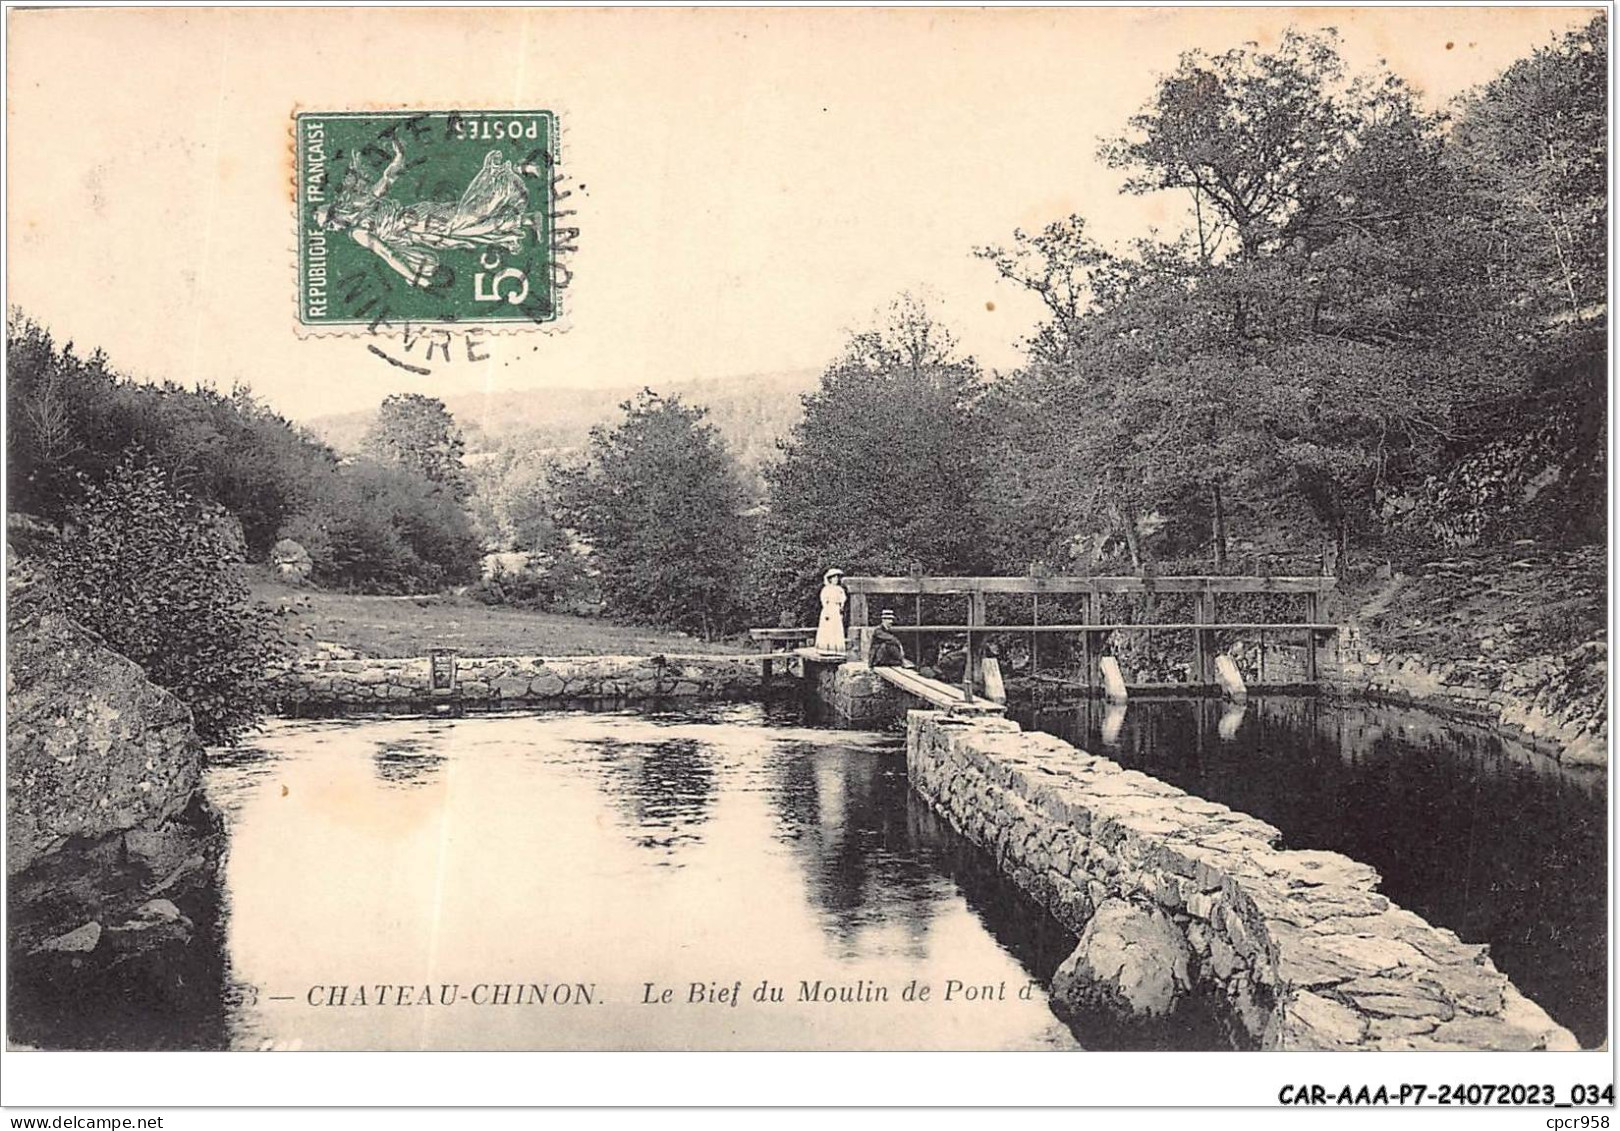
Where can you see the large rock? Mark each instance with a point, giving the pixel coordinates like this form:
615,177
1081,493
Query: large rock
292,562
93,747
112,852
1130,961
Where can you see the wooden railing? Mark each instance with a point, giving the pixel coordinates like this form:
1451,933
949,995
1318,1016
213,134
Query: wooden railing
1091,628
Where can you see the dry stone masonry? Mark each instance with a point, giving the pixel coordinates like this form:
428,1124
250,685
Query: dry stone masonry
1556,701
509,681
1299,944
858,695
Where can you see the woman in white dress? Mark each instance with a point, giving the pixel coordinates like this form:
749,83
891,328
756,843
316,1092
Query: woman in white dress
830,630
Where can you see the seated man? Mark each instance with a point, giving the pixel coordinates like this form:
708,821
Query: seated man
887,651
950,661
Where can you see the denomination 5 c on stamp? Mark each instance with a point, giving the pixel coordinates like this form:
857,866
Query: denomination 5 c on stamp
413,218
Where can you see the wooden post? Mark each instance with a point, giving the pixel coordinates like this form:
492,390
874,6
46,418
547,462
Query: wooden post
1198,674
918,638
765,646
857,610
1312,612
1034,637
1088,641
1113,680
975,618
857,619
1204,639
917,575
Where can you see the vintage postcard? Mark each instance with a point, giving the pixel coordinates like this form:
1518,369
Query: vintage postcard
813,530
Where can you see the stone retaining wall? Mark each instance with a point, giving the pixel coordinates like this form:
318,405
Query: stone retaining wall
501,681
858,695
1299,943
1547,699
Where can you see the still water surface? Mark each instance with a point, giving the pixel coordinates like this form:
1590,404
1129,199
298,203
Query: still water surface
1470,830
590,854
587,855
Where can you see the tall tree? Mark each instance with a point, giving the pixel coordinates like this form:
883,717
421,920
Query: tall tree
1321,334
1534,144
1067,270
418,432
1247,133
884,470
659,500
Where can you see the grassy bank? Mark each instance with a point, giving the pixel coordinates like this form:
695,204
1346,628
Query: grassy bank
408,626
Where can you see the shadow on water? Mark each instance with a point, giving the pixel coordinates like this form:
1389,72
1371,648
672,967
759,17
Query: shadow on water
664,790
875,854
140,983
406,762
1040,944
701,842
1469,830
845,819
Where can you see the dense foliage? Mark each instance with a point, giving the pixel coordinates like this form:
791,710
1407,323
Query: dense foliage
882,474
70,420
659,501
1367,294
417,433
1382,326
369,524
158,575
383,528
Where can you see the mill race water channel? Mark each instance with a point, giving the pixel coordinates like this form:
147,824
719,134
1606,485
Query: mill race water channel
547,879
1471,830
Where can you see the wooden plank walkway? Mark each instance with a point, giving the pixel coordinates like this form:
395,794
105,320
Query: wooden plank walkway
817,656
943,695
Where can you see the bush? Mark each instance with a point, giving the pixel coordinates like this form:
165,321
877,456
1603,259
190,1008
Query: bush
70,419
380,528
558,583
513,588
159,576
659,502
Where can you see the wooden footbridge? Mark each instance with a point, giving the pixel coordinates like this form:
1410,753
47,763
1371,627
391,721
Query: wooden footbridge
1081,605
935,692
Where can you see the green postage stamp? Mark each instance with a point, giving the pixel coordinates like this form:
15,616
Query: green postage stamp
415,217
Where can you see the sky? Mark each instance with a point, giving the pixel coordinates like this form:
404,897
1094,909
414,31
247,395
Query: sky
749,185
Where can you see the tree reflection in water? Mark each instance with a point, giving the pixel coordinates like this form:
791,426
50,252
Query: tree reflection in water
665,790
406,762
845,814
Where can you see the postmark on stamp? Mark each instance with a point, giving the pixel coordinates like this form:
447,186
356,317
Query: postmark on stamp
415,219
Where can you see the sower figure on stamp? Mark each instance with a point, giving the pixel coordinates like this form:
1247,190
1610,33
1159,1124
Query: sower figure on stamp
492,212
887,650
830,629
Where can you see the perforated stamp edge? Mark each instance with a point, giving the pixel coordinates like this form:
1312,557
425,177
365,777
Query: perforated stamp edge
564,233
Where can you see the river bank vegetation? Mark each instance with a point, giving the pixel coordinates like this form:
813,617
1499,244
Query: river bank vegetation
1377,342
